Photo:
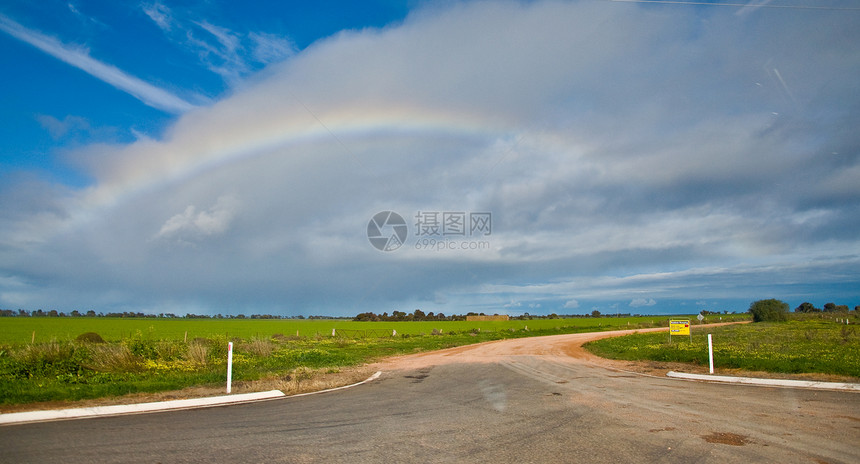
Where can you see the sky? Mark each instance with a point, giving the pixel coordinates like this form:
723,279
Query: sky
333,158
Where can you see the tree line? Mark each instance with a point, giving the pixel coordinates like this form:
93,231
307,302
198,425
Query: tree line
807,307
419,315
140,315
773,310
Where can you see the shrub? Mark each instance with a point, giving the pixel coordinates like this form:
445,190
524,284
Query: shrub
41,359
90,337
771,310
197,353
258,347
113,358
169,350
50,352
144,349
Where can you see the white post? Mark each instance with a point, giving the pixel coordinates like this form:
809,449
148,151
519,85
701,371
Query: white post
229,366
711,353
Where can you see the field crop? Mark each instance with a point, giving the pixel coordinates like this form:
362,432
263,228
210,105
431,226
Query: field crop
802,345
151,355
14,330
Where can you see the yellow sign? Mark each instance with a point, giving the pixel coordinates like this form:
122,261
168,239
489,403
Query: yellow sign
679,327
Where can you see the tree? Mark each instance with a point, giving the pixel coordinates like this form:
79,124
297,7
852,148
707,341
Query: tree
769,310
806,307
829,307
595,313
366,317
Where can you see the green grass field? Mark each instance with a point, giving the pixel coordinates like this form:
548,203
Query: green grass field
151,355
15,330
801,345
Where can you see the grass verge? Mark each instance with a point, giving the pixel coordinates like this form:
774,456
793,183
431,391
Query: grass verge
798,346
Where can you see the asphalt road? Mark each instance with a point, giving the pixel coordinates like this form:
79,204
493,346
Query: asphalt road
521,408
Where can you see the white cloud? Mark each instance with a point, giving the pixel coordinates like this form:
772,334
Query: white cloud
270,48
571,304
231,55
59,129
639,302
80,58
191,224
160,15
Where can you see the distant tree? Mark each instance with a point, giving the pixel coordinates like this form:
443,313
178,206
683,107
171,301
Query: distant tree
366,317
857,308
842,308
806,307
595,313
829,307
769,310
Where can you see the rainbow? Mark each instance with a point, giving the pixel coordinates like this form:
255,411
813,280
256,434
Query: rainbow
203,140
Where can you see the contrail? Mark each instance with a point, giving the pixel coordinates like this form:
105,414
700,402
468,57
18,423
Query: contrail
78,57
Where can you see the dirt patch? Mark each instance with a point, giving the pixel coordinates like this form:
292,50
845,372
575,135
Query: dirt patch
726,438
664,429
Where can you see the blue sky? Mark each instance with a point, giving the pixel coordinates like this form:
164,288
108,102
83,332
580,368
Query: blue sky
189,54
224,158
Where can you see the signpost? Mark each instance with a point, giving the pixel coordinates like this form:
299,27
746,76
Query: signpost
229,366
711,353
679,327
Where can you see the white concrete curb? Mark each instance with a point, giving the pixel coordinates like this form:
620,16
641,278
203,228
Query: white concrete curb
768,382
77,413
372,377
